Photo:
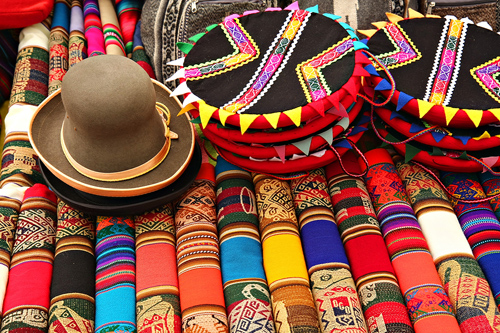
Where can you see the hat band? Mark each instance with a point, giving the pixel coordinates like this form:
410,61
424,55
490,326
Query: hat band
124,174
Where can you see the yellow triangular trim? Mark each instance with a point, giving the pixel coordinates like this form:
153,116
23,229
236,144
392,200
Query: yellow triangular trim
368,33
273,118
185,109
423,107
380,25
449,113
393,17
496,113
412,13
246,120
485,135
206,112
432,16
223,114
475,116
294,115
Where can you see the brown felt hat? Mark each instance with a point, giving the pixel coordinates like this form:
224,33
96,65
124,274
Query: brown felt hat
104,132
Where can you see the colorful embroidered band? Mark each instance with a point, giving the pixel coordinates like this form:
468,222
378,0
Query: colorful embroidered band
157,291
115,275
26,304
200,281
59,44
93,28
113,40
11,197
428,304
479,224
284,262
246,292
491,187
77,42
332,285
381,299
129,13
459,271
72,292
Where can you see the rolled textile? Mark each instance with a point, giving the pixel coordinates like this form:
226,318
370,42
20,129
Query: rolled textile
26,303
428,305
72,291
479,224
93,28
11,197
139,54
157,285
381,299
29,89
129,13
332,285
246,292
284,263
113,39
59,44
77,42
115,275
8,54
200,281
459,271
491,187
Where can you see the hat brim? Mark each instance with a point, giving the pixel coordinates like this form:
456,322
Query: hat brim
44,134
100,205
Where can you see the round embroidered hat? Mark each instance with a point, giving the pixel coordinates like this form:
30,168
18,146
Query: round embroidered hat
444,69
111,130
271,69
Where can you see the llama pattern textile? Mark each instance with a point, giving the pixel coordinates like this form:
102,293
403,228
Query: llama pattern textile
157,285
459,271
246,292
284,263
26,303
428,304
332,284
381,299
479,224
115,275
72,291
198,264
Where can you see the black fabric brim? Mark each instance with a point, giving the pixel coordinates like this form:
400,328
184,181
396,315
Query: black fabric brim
101,205
45,137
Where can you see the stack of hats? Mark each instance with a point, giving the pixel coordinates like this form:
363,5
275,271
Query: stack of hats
445,112
109,141
276,91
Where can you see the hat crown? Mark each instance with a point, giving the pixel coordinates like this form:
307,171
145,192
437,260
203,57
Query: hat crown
111,119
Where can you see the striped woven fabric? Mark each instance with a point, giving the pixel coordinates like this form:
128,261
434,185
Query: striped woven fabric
72,306
491,187
479,224
129,12
29,89
139,54
113,39
200,281
77,42
26,304
157,285
115,275
332,284
246,293
381,299
11,197
59,44
284,263
462,278
93,28
428,305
